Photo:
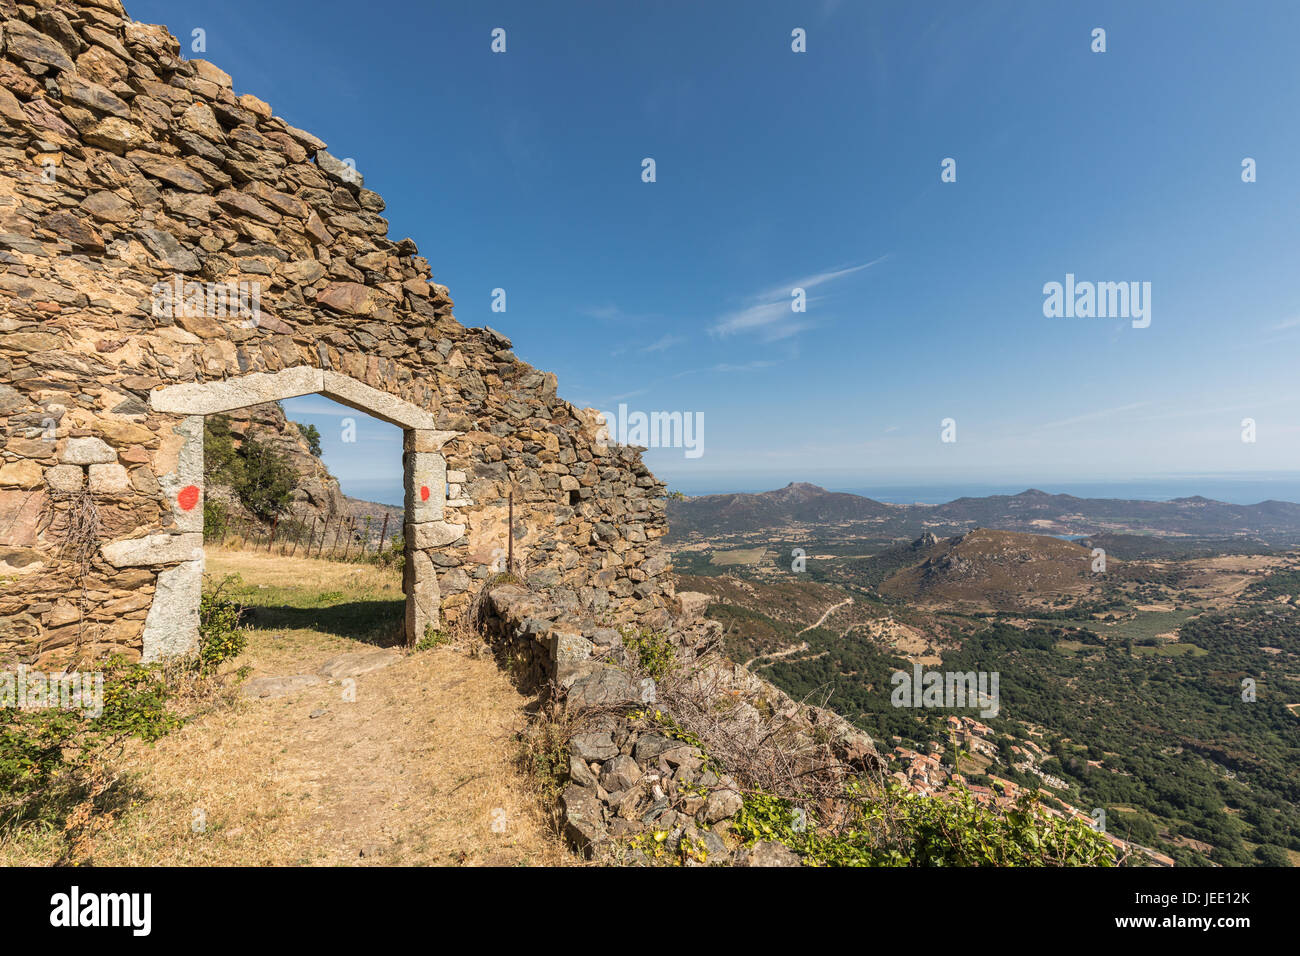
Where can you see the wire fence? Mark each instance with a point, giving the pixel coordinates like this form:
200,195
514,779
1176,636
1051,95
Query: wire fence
333,537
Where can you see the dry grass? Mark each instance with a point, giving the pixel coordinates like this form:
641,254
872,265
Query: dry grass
419,770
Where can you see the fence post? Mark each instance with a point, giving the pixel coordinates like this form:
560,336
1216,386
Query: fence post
338,531
347,541
383,534
270,538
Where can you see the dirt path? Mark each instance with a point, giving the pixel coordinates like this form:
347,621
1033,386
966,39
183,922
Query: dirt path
417,769
802,645
829,611
775,655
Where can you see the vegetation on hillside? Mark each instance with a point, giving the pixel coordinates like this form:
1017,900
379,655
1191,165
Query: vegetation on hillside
260,477
897,828
311,435
1167,697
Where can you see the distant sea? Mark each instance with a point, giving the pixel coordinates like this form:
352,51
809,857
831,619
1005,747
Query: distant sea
384,491
1232,491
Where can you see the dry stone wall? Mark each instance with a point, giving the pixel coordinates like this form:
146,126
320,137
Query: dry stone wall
159,231
642,778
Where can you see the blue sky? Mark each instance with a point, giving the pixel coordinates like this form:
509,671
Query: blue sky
821,170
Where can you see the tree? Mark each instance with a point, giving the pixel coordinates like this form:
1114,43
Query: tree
260,476
269,479
221,461
312,436
1272,856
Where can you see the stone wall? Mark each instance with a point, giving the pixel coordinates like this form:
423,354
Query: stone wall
123,167
642,770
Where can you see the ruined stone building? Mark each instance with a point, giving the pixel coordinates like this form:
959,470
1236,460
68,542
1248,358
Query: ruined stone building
141,201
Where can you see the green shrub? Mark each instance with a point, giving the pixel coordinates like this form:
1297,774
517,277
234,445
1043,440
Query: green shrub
654,651
907,829
51,759
220,636
262,478
432,638
268,481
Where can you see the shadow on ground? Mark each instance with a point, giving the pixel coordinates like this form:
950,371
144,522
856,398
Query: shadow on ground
372,622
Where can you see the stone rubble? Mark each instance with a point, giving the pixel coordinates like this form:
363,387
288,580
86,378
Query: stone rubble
632,774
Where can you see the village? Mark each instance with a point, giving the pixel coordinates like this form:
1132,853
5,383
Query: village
933,774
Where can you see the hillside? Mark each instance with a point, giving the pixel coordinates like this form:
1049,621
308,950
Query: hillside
995,568
314,490
310,492
1158,643
796,503
807,508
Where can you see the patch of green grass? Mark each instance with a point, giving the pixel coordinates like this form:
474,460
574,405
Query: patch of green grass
1168,650
1145,625
1074,647
366,615
432,638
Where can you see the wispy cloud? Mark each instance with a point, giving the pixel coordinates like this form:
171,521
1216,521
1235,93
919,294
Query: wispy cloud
756,317
818,279
610,400
725,367
667,342
769,314
1092,416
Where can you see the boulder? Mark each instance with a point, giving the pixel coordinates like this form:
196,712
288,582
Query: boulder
357,663
766,853
260,687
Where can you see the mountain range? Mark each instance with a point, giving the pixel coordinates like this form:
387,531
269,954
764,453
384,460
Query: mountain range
802,505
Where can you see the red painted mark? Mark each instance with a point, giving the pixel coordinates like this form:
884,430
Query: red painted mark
188,497
424,492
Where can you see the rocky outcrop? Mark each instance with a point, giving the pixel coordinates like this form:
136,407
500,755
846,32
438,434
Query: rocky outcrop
316,493
637,768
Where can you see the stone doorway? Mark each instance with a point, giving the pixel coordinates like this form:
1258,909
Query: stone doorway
172,624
